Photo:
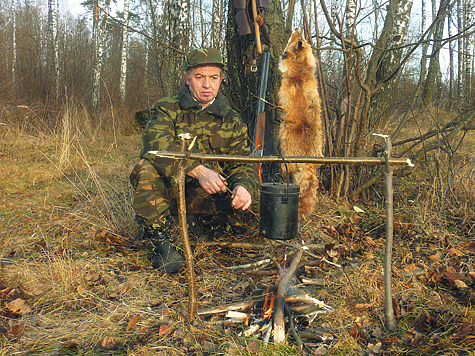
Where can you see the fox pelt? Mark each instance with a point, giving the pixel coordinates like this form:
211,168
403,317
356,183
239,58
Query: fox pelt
300,132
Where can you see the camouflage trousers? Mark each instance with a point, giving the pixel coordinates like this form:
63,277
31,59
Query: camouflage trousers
156,197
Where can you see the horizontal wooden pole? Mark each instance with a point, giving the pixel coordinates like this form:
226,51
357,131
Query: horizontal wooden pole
288,159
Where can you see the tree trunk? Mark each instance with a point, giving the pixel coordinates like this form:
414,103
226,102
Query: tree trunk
215,30
468,8
385,62
433,82
451,61
242,85
125,46
179,35
460,43
99,34
56,53
14,46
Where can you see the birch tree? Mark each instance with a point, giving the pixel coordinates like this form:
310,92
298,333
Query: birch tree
99,33
14,44
215,29
57,72
125,45
178,15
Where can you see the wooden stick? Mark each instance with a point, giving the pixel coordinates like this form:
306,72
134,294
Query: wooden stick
237,244
295,335
244,305
388,187
190,272
289,159
251,265
228,307
279,321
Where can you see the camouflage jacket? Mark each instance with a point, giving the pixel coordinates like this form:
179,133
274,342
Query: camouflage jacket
218,128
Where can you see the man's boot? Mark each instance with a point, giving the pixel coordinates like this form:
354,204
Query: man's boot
165,254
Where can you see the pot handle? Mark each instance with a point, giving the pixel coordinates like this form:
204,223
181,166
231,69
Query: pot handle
286,197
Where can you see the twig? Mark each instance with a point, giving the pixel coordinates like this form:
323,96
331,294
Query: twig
190,272
237,244
250,265
266,337
275,262
295,335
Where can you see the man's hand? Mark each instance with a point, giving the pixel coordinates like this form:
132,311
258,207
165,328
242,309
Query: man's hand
241,198
209,180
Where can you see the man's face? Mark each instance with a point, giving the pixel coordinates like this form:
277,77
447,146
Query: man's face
204,82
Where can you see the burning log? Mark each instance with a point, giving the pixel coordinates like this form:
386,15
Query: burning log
279,321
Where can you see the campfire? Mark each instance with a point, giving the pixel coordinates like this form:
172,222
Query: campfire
283,309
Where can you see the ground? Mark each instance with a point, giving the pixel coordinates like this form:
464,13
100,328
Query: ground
76,278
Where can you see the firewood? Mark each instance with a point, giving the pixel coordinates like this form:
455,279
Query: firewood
279,320
224,308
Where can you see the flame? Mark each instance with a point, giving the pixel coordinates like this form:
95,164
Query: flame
264,307
246,322
268,312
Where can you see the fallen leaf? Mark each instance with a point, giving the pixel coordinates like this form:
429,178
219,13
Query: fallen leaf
15,330
253,347
18,306
132,322
465,330
357,209
368,241
460,284
81,289
108,343
37,291
364,306
434,258
321,350
377,332
165,329
455,252
377,347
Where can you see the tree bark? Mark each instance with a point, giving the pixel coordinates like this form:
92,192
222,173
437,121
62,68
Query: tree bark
433,82
242,86
215,25
99,33
385,61
125,46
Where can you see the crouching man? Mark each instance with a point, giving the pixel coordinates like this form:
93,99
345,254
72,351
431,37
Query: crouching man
223,192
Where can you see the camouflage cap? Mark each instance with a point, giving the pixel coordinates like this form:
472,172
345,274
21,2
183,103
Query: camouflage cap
203,56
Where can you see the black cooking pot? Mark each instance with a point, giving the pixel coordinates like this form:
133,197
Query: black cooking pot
279,208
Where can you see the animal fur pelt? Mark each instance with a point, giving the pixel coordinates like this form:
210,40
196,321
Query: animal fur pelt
300,132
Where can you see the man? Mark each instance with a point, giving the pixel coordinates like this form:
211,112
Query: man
227,188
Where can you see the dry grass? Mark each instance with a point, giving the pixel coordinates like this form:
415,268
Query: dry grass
70,251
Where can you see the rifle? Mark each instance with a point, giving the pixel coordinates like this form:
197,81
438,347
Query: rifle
259,128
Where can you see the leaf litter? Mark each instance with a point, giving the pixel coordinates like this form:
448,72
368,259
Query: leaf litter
75,276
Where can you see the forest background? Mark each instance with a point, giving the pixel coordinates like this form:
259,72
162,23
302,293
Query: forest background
71,86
